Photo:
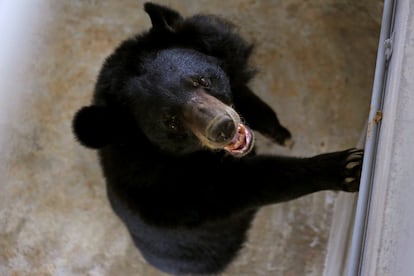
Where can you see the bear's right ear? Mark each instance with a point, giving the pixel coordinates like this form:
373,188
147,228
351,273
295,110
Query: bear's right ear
162,18
93,126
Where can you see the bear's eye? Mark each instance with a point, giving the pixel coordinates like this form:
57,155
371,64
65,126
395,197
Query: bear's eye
200,81
195,83
205,82
172,123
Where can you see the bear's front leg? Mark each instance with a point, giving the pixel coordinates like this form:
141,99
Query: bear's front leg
266,179
189,192
349,170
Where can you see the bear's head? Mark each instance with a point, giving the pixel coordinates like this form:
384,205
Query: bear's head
179,98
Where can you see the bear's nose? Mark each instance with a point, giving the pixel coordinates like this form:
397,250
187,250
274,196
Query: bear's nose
222,129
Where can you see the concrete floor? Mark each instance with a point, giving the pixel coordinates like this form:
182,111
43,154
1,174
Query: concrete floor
316,62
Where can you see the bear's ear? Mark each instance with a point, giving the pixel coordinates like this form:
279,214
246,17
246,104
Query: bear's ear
93,126
162,18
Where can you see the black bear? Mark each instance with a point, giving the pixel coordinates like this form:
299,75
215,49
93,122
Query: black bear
172,117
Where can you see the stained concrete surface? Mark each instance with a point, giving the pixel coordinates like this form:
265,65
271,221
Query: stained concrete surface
316,61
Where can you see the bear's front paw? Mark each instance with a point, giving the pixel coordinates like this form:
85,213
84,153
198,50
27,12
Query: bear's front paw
352,170
282,136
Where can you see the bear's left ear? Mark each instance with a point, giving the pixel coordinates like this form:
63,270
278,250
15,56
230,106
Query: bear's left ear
94,126
162,18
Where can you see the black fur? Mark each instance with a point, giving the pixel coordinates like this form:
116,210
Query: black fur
187,202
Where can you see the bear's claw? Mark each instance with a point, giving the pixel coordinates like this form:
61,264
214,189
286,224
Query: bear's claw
352,170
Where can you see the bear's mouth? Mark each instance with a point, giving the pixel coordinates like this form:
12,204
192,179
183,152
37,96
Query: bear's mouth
242,142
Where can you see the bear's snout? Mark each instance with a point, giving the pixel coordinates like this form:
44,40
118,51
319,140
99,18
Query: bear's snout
221,129
212,121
